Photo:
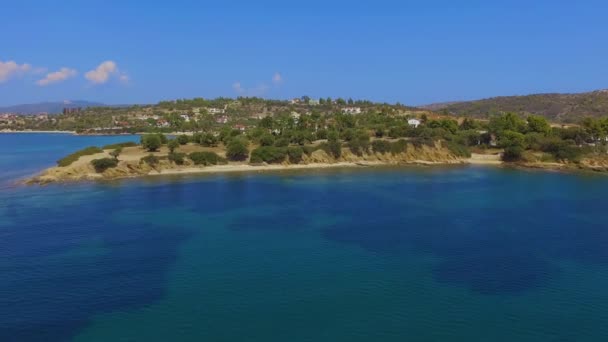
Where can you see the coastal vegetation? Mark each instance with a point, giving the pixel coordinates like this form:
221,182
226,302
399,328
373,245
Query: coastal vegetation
69,159
101,165
327,133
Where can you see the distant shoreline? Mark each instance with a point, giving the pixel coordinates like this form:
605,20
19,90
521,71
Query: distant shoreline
36,132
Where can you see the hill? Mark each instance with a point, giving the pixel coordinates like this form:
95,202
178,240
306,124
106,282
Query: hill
47,107
555,107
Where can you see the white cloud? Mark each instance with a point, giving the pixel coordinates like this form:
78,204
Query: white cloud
260,89
11,68
238,88
104,72
57,76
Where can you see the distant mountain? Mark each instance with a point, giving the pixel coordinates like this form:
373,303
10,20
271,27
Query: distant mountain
555,107
47,107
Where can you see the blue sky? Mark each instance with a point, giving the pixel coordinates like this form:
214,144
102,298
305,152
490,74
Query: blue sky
395,51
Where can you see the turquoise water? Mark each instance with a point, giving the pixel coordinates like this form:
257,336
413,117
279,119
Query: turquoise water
389,254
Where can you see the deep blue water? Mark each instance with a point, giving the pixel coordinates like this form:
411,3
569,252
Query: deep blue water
387,254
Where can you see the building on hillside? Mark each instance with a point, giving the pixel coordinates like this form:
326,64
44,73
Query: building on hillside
216,111
414,122
185,117
314,102
162,123
240,127
221,119
295,101
351,110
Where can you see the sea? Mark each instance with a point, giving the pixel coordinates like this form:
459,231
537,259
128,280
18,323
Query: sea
458,253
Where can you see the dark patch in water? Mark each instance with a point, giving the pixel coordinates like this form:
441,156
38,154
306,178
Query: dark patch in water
46,294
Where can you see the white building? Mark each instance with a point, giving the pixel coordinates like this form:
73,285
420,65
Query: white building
185,117
414,122
222,119
215,111
351,110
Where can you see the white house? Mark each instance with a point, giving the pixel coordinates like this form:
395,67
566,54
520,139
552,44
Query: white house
414,122
185,117
215,111
351,110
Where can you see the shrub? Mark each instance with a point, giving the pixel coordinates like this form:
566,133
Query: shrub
266,140
381,146
398,147
562,150
295,154
172,145
116,153
183,139
321,134
281,142
205,158
177,158
359,143
512,153
208,140
237,150
458,150
151,160
151,142
103,164
269,154
68,160
119,145
333,148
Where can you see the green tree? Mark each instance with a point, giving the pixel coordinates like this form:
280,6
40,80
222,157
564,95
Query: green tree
183,139
237,150
173,144
538,124
151,142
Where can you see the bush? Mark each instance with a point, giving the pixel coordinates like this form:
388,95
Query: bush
172,145
561,150
68,160
208,140
359,143
266,140
151,142
116,153
333,148
177,158
183,139
103,164
321,134
119,145
295,154
458,150
205,158
281,142
398,147
381,146
237,150
151,160
268,154
512,153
